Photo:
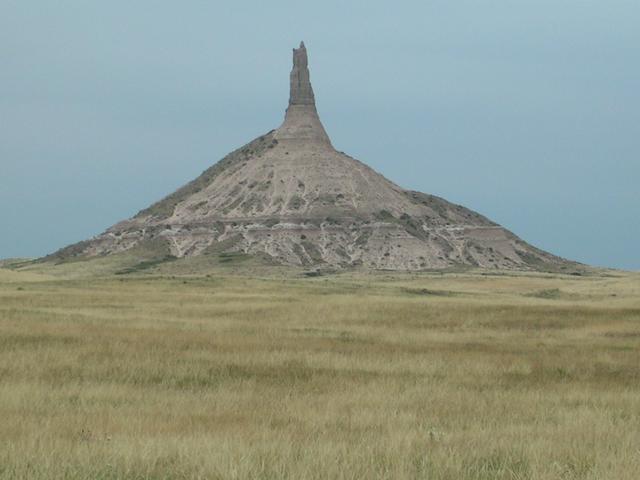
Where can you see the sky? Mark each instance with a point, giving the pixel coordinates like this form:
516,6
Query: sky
527,111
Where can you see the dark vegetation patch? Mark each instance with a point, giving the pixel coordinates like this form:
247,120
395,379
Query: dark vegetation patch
328,199
629,335
545,262
202,377
253,202
198,205
429,292
469,258
151,248
410,224
532,260
146,265
548,317
413,226
363,238
447,210
17,340
552,294
384,216
11,263
263,186
313,273
599,373
217,248
220,228
66,253
233,257
148,254
301,254
295,202
312,250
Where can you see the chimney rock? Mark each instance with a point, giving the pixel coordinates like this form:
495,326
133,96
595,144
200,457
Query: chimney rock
301,122
301,91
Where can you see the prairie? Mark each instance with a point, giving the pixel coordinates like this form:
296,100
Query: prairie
380,376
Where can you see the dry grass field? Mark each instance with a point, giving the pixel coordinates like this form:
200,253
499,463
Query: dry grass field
454,376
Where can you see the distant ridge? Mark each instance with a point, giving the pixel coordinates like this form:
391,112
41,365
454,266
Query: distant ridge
291,197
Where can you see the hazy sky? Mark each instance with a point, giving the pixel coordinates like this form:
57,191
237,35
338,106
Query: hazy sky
527,111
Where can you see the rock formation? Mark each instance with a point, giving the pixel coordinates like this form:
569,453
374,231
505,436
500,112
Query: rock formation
301,121
291,196
301,92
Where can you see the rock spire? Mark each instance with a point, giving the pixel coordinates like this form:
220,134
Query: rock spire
301,91
301,122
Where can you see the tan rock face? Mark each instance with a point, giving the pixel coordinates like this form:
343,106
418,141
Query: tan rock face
302,125
290,195
301,92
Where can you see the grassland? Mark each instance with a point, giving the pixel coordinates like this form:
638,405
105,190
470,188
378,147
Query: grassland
457,376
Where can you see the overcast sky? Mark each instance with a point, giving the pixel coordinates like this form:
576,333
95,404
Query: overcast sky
526,111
